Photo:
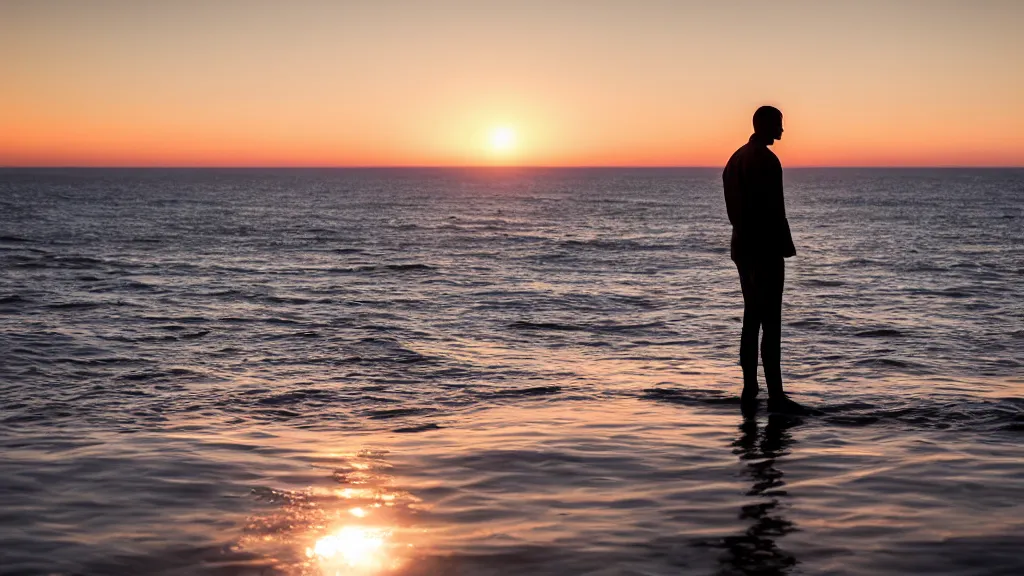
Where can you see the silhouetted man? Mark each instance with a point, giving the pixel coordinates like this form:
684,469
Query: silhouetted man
760,241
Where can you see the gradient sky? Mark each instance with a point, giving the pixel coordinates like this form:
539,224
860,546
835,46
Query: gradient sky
581,82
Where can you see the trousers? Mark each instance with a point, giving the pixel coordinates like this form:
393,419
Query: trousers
762,280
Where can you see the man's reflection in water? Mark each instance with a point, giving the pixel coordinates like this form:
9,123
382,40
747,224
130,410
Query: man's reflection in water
755,551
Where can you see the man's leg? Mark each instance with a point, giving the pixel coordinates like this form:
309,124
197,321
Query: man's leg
751,328
771,276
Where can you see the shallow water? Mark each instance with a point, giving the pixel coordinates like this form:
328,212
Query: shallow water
501,372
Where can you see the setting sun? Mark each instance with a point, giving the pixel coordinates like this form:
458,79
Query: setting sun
503,139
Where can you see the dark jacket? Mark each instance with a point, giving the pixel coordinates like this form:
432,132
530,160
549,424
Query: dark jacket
753,198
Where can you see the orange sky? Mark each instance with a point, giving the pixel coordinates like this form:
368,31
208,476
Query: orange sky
580,82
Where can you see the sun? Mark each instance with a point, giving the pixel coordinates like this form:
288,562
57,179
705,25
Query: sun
503,139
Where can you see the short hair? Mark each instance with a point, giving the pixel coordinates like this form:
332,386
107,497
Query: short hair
765,118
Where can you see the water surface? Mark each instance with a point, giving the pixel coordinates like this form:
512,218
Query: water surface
502,372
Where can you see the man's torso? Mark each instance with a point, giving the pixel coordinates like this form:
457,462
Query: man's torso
753,195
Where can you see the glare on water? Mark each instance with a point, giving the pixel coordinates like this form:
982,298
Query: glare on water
351,547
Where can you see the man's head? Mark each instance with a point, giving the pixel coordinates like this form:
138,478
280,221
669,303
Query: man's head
768,123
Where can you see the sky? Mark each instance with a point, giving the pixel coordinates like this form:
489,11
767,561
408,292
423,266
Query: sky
543,83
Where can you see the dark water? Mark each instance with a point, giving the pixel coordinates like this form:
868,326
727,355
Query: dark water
503,372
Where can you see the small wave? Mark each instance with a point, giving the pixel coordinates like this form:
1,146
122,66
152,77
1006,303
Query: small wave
531,391
175,319
281,321
75,305
638,301
227,292
625,327
350,270
420,428
133,285
1006,414
375,268
22,261
526,325
161,338
695,396
388,413
287,300
947,292
883,362
853,420
305,334
142,376
404,267
146,375
294,397
81,262
14,239
237,320
825,283
881,333
385,350
805,323
96,361
860,262
171,327
925,268
281,414
618,245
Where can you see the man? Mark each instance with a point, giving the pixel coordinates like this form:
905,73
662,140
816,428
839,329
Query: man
760,242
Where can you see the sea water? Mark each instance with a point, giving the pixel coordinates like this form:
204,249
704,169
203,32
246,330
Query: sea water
503,371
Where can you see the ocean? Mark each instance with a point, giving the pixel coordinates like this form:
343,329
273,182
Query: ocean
503,371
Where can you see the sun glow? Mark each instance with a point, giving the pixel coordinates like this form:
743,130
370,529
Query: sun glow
503,139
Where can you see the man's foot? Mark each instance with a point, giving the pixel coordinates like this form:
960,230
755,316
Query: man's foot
784,405
748,399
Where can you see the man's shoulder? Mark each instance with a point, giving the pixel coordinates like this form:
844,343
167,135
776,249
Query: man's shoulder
752,156
744,150
738,156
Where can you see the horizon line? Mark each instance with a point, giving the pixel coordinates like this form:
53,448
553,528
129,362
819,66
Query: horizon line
493,167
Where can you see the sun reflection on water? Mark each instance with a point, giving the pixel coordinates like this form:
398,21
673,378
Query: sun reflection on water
360,527
352,548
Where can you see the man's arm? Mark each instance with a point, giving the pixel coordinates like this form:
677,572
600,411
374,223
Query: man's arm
732,186
777,211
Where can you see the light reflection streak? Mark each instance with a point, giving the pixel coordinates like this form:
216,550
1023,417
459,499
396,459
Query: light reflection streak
352,529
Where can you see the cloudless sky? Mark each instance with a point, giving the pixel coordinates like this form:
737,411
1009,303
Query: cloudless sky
578,82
